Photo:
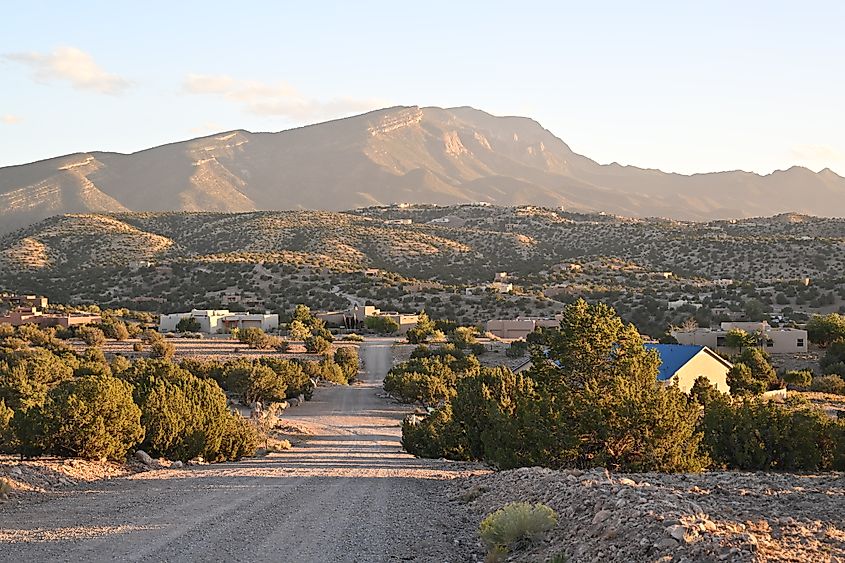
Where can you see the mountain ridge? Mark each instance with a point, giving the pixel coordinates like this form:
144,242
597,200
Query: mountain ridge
399,154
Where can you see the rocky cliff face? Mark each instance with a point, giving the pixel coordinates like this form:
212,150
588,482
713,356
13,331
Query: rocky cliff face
420,155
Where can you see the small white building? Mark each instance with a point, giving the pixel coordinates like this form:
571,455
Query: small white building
217,321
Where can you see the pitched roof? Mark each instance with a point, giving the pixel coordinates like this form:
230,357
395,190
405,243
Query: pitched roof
673,357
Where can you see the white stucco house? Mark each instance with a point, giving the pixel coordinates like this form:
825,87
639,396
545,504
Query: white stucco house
216,321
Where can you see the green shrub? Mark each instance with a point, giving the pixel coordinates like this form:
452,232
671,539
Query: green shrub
8,440
382,325
435,436
186,417
114,329
826,329
353,337
92,336
240,438
317,345
754,434
188,324
752,373
258,339
162,349
93,417
798,379
347,358
517,349
702,391
515,524
463,336
27,375
422,331
297,381
255,382
828,384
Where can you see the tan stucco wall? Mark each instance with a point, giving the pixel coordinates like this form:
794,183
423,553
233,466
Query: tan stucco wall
706,365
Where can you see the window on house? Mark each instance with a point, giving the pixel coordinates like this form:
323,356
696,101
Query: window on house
800,342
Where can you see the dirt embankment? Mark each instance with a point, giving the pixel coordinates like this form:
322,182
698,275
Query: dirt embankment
725,516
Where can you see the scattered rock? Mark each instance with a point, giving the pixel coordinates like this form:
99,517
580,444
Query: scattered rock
144,458
176,465
664,544
601,516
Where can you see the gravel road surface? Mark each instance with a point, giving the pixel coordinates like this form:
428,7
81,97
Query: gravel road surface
348,494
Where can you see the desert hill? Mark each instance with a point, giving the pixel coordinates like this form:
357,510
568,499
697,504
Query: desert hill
400,154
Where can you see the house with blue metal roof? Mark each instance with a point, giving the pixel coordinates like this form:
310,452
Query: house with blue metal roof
682,364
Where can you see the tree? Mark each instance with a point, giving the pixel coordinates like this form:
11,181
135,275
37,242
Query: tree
740,339
186,417
591,398
317,345
26,376
188,324
255,382
256,338
422,331
382,325
298,331
517,349
702,391
347,358
302,314
93,417
823,330
115,329
463,336
828,384
162,349
751,374
92,336
754,434
741,381
8,440
798,379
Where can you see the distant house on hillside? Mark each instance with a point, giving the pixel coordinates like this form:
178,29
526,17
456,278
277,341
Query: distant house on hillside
683,364
772,340
214,321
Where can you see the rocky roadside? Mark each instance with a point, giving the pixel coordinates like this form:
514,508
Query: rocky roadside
29,479
718,516
51,476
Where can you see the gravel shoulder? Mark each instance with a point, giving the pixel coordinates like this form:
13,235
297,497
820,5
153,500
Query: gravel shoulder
349,493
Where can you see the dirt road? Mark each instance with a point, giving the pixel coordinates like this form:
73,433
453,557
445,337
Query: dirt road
349,494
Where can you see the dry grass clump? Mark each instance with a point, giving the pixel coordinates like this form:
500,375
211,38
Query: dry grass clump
515,524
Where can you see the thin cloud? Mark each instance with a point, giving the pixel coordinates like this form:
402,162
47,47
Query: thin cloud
817,157
278,98
10,119
817,152
71,65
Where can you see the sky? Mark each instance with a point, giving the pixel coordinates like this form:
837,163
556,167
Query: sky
681,86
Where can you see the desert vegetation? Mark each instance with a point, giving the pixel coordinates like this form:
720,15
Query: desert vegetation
54,400
592,399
